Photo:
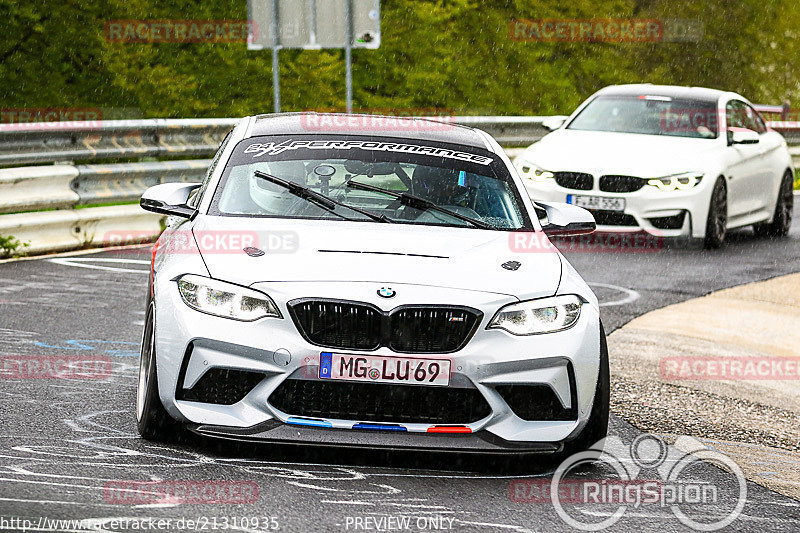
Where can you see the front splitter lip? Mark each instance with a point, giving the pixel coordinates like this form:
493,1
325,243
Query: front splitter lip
273,431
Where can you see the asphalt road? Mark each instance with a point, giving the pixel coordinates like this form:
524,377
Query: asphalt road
62,442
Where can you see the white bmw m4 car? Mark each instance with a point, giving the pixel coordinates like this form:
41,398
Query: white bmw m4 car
671,161
367,287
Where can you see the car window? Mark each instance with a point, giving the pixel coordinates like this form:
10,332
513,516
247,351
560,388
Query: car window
741,115
649,115
474,184
756,120
197,195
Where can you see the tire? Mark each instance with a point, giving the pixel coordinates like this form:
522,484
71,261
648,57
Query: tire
152,420
597,426
782,218
717,221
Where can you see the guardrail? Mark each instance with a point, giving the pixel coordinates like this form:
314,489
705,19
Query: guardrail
49,142
44,204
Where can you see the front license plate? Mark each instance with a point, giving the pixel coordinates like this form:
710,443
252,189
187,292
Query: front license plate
596,202
380,369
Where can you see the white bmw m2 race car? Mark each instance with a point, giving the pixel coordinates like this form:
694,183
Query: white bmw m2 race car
362,288
679,162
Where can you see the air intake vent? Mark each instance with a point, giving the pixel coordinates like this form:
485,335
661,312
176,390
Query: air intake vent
344,325
221,386
613,183
575,180
613,218
535,402
371,402
407,329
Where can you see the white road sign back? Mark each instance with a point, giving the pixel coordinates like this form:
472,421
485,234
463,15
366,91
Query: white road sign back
314,24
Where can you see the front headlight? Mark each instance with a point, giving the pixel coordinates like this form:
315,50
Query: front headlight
545,315
533,172
227,300
679,182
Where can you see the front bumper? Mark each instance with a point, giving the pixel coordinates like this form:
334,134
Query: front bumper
189,344
668,214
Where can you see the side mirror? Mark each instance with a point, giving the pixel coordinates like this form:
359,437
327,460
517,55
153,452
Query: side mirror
565,220
555,122
744,137
169,199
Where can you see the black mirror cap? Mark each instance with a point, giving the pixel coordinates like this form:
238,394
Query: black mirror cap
155,206
732,141
570,230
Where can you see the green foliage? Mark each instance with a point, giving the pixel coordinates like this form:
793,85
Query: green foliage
448,54
10,246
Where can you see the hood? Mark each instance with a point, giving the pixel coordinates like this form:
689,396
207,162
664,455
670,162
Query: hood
630,154
342,251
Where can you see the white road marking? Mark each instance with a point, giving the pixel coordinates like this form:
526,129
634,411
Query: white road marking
492,525
630,294
345,502
86,262
59,502
388,489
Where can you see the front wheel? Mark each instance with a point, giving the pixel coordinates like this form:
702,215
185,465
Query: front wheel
717,221
782,218
597,426
152,420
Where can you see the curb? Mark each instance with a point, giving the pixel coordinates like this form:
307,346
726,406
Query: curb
736,411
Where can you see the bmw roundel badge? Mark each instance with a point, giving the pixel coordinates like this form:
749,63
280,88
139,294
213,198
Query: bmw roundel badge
386,292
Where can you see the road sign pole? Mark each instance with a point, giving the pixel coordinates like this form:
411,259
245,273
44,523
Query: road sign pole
295,24
348,49
276,76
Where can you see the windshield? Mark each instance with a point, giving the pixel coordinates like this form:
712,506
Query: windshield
473,186
649,115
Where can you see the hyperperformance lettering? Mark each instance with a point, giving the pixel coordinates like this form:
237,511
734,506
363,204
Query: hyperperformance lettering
260,150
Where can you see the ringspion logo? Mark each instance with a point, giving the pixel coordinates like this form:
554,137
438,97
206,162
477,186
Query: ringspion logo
645,474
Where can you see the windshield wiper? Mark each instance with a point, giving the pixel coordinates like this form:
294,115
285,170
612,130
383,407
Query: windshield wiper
327,203
419,203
